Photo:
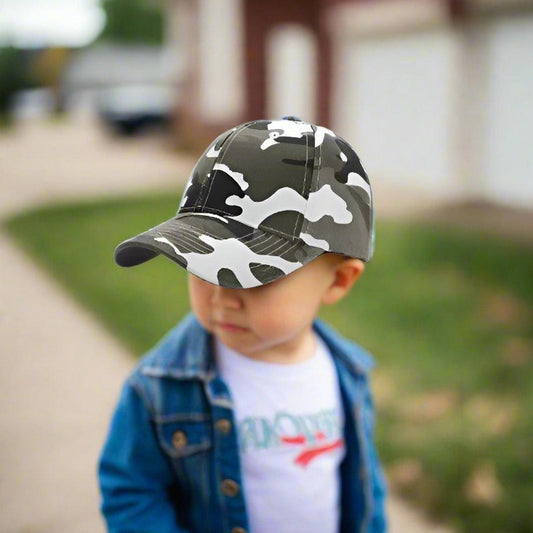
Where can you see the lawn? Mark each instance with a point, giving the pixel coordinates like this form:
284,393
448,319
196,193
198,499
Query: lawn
447,315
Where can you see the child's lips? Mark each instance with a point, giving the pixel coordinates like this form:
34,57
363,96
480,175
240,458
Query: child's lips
230,327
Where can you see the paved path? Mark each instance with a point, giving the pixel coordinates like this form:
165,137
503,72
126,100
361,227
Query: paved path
60,372
59,377
43,162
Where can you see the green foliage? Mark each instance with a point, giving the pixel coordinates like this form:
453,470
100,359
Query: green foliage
447,314
132,21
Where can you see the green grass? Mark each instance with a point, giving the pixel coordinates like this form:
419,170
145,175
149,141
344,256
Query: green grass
447,315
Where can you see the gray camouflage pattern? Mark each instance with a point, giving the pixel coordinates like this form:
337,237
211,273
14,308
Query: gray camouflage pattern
264,199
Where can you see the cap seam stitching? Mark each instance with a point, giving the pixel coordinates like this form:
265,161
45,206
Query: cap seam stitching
274,231
317,155
302,193
268,246
186,238
190,240
198,232
191,177
221,159
283,255
294,235
210,210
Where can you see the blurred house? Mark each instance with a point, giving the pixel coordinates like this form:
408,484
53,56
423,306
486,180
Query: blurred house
435,94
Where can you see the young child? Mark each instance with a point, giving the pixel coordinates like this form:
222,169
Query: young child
252,415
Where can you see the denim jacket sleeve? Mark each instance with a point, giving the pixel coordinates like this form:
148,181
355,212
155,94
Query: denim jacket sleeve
377,521
133,472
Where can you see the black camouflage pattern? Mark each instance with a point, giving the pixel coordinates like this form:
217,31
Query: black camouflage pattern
264,199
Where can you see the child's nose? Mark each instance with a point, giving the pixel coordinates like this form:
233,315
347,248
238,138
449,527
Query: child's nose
227,298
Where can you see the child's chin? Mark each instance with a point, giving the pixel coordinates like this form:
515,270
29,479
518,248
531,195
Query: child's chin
234,342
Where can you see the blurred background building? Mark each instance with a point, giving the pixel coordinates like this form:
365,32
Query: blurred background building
435,93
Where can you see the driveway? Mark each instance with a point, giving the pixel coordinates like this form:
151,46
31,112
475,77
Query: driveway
60,371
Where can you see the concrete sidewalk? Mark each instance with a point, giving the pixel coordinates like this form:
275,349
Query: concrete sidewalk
60,374
60,371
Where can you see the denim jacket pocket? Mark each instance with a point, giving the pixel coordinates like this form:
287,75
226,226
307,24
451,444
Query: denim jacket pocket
183,436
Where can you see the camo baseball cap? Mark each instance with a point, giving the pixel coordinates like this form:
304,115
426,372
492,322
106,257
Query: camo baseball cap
264,199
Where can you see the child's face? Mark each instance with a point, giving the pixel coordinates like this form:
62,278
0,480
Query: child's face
272,322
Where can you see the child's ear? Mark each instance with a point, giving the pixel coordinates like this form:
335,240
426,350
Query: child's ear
346,272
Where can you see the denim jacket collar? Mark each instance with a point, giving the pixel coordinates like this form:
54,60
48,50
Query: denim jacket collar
186,353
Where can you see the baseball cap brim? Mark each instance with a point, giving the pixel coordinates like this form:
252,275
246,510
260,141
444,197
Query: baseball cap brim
219,250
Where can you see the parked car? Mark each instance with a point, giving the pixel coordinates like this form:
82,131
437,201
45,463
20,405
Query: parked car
129,109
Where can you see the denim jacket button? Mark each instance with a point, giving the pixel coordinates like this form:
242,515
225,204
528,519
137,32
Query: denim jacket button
238,530
223,425
179,440
230,488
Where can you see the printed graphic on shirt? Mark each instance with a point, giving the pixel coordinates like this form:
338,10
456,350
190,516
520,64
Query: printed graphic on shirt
311,435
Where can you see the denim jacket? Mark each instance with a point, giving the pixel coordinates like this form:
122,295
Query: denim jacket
171,459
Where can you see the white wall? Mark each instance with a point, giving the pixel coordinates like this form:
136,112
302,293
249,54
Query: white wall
508,154
221,68
394,101
291,72
447,111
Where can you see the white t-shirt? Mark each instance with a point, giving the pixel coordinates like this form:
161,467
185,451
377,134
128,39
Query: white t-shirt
290,428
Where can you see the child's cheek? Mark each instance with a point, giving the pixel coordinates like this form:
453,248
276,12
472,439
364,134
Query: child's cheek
274,323
201,309
202,318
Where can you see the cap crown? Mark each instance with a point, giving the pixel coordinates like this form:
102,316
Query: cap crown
287,177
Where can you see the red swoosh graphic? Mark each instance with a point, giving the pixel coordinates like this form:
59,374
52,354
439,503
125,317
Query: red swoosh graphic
308,455
299,439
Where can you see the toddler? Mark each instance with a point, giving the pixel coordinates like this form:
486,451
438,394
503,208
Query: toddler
252,415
